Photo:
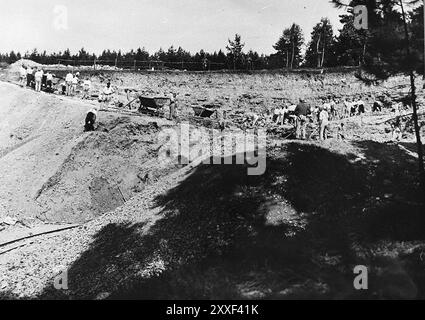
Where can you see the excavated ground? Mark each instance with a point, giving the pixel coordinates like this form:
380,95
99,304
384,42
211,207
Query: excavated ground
156,229
55,172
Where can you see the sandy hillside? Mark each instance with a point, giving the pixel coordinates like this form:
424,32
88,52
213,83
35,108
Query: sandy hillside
53,171
37,132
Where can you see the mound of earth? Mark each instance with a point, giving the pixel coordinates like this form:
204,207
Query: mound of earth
14,67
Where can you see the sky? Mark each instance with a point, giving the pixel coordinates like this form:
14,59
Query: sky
55,25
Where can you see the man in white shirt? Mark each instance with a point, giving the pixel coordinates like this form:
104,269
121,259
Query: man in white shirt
324,123
107,93
68,81
86,88
22,75
38,78
347,108
75,81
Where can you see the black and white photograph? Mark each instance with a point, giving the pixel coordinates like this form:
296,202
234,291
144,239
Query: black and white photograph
192,151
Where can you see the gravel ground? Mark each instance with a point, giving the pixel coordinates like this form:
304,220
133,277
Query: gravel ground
28,271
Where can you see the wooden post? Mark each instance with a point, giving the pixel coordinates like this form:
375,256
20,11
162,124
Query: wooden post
135,65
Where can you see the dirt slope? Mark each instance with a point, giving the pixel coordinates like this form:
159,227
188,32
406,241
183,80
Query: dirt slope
37,132
53,171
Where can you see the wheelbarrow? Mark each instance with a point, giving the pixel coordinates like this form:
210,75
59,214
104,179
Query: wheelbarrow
153,105
203,112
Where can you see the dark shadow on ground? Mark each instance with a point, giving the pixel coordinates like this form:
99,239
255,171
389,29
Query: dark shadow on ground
295,232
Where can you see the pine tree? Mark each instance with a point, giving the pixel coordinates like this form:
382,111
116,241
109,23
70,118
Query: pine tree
319,51
289,45
391,51
235,52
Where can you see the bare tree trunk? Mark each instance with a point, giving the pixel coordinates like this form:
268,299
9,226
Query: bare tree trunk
414,106
293,53
324,47
287,59
318,52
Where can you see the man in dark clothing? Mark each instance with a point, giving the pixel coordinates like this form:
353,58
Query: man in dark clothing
360,106
90,120
377,106
301,112
172,113
302,109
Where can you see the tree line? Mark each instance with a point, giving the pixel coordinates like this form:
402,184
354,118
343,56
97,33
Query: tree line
350,48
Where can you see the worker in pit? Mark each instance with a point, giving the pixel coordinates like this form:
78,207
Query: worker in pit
90,121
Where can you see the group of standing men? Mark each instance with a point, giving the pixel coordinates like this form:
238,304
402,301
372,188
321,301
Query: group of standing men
328,110
302,113
353,107
69,87
34,78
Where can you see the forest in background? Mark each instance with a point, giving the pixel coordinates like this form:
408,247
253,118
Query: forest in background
349,48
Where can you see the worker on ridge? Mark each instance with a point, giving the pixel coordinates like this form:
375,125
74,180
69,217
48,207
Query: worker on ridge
75,81
38,78
29,76
49,81
68,81
22,75
86,88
